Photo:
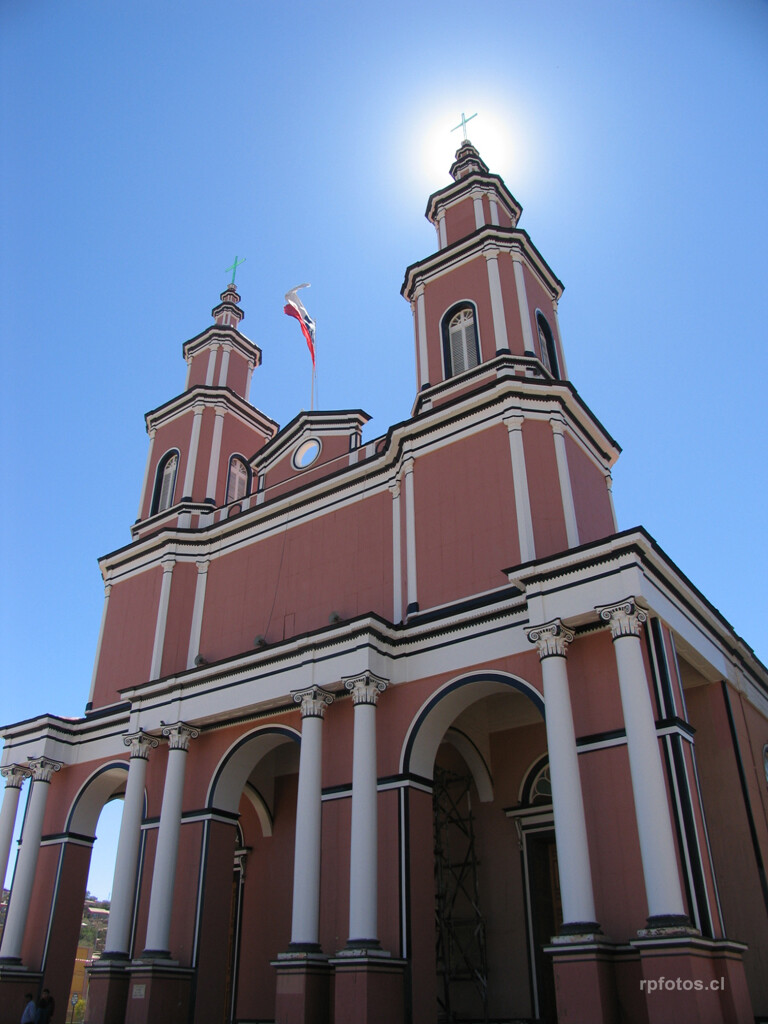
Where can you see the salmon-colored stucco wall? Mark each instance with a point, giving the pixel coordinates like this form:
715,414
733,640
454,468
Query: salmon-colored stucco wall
543,487
465,523
460,220
594,685
129,632
290,583
511,304
590,495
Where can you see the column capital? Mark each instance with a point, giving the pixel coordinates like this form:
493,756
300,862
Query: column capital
14,775
625,617
557,422
42,768
167,563
365,688
313,701
407,465
202,565
179,735
513,418
551,639
140,743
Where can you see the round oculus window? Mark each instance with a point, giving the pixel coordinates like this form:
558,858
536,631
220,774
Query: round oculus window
306,453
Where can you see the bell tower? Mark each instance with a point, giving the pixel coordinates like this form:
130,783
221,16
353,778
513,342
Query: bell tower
201,442
487,291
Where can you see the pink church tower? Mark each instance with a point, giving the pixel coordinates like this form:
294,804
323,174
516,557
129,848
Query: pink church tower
406,730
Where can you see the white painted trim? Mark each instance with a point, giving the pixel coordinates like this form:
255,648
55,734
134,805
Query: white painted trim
92,691
211,364
421,316
196,626
477,202
224,368
162,617
522,301
514,422
213,465
410,534
497,299
564,478
397,567
194,443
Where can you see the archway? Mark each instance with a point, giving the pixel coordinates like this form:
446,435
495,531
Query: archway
248,874
475,738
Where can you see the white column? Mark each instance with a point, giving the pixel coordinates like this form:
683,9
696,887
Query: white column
146,473
197,612
211,365
578,901
363,854
477,202
162,617
410,538
249,378
42,769
194,444
494,210
560,348
609,486
442,237
124,880
305,922
566,491
654,825
522,302
14,775
107,592
514,421
213,465
397,558
164,870
497,301
224,369
421,334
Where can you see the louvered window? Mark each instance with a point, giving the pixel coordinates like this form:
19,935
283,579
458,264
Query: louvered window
547,346
237,481
462,348
165,483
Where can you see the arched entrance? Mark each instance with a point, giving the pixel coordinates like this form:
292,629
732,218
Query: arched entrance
476,739
246,900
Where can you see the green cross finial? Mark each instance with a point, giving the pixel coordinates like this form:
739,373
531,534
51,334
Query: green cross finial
234,267
463,124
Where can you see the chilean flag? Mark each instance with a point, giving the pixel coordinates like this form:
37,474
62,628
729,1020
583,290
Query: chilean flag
295,307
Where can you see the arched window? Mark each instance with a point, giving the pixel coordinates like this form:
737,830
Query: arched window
165,482
237,479
460,347
547,346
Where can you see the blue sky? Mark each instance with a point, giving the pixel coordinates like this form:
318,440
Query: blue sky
145,145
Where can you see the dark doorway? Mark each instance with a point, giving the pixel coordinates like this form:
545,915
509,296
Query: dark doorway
546,915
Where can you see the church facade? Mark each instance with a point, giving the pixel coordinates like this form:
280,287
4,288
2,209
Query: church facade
406,730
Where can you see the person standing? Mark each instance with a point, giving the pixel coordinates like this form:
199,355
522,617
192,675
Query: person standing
43,1011
28,1015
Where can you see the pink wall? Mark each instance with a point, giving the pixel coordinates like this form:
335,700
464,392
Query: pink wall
544,488
129,632
590,495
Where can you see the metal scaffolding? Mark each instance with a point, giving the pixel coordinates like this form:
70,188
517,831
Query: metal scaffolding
462,965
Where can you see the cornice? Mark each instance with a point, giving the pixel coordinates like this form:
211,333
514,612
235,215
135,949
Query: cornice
208,396
376,471
471,247
224,335
457,190
334,421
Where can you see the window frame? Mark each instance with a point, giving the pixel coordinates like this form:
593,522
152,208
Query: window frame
237,457
547,346
160,476
465,305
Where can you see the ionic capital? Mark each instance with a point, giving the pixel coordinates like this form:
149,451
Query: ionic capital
202,566
513,418
626,618
42,768
551,639
557,422
179,735
14,775
365,688
314,701
407,465
140,743
167,563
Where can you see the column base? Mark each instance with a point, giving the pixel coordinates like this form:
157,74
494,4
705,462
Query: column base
584,979
108,980
578,932
693,979
158,991
303,992
368,987
660,925
15,981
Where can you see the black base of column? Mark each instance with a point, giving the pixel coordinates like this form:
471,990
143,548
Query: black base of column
668,921
580,928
